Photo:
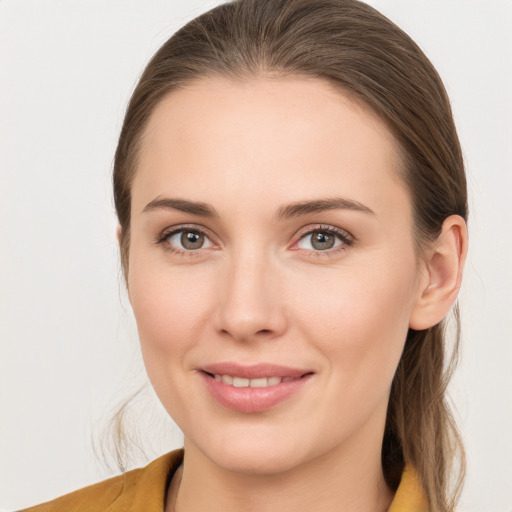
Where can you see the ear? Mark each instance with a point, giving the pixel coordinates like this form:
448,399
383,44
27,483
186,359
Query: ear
441,281
118,238
118,234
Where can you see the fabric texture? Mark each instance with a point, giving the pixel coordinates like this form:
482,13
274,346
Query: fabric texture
144,490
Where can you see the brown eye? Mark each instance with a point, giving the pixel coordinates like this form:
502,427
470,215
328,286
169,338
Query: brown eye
320,240
191,240
187,240
324,239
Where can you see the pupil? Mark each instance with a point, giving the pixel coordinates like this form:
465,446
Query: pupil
322,240
191,240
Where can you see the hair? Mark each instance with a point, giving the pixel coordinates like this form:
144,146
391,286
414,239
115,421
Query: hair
356,49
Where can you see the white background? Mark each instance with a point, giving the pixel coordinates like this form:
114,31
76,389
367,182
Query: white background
68,347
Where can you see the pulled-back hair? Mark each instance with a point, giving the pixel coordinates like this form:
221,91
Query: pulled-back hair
358,50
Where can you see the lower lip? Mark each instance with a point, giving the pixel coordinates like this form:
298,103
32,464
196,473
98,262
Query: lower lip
252,399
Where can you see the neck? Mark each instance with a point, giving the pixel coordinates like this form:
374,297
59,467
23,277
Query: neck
352,482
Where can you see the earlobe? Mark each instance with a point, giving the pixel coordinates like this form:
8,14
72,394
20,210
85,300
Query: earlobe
118,234
443,273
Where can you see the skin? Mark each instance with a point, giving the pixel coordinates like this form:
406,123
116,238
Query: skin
259,291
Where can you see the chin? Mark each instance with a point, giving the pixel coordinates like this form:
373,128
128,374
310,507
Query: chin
255,453
257,462
250,453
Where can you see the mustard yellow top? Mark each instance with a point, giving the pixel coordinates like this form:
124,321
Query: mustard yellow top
144,490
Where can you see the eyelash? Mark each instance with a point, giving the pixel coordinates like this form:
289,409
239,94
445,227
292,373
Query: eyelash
167,234
346,238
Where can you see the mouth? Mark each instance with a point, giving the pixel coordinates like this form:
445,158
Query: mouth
254,388
262,382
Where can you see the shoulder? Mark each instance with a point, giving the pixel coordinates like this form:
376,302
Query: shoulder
100,495
122,493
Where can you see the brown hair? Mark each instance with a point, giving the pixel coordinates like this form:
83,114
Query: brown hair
358,50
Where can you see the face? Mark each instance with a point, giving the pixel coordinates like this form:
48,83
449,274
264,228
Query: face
272,270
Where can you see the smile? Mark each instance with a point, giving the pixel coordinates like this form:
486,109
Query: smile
254,388
263,382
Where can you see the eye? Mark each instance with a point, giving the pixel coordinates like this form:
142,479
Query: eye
323,239
186,240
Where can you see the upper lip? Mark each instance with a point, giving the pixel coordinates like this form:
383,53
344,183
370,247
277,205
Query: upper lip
253,371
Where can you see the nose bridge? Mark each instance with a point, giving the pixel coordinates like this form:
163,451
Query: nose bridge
249,302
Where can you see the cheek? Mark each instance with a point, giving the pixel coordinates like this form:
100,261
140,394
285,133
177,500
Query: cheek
172,310
359,320
171,306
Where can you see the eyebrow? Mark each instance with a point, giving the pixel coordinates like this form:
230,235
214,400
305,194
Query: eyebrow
320,205
283,212
181,205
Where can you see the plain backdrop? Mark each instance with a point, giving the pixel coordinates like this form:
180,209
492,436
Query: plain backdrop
68,346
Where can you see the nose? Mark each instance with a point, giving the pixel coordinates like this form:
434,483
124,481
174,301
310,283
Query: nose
249,304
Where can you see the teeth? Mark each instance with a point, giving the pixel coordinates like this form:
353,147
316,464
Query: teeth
259,383
263,382
227,379
239,382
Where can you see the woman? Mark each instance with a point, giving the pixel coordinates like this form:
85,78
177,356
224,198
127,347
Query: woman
291,201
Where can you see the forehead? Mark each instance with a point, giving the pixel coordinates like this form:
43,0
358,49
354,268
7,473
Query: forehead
271,136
